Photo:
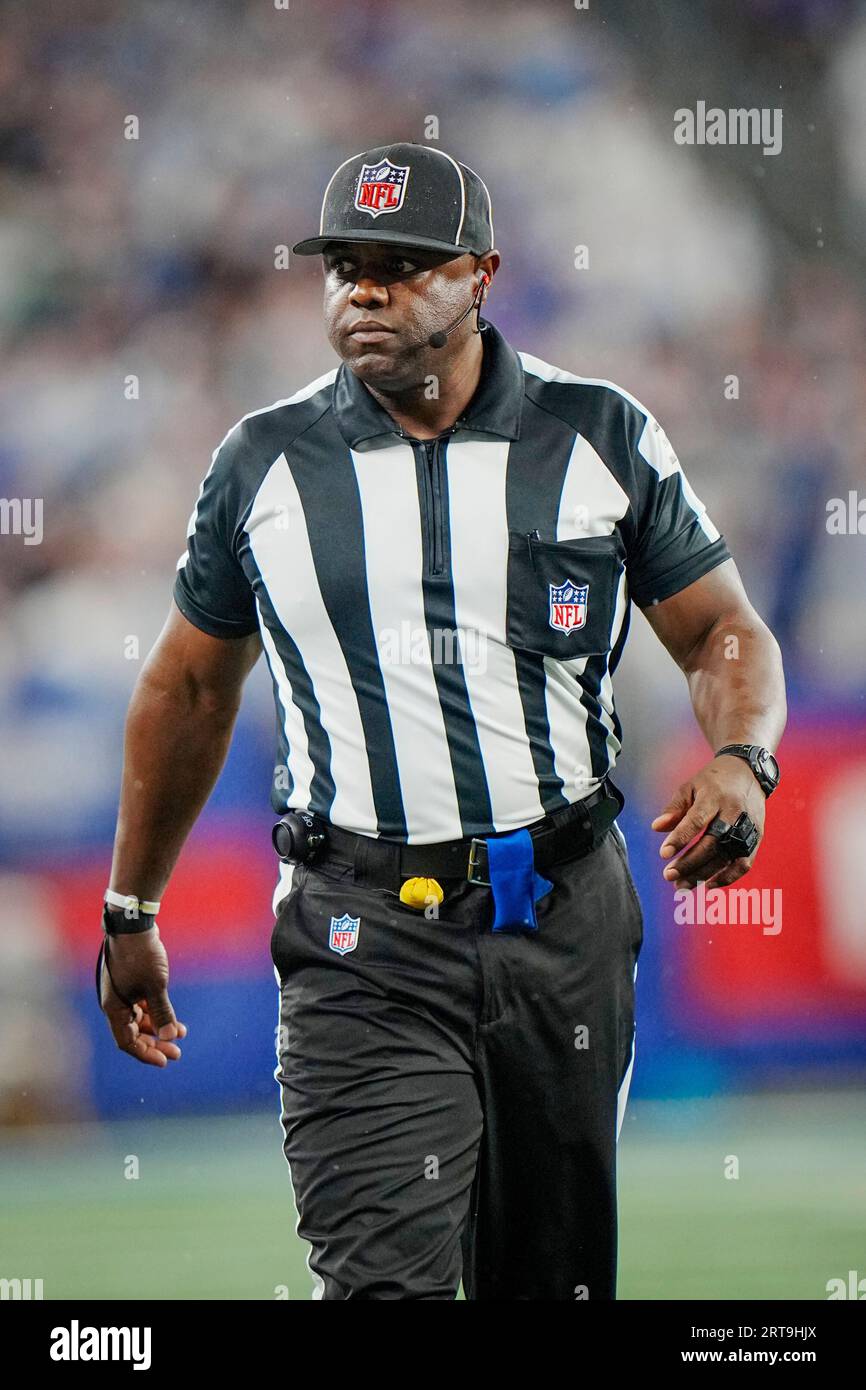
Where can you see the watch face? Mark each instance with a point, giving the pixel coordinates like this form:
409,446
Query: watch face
769,766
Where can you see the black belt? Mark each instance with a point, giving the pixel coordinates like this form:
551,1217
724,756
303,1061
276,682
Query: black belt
565,834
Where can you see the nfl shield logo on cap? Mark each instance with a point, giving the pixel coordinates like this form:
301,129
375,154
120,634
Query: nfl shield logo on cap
432,201
381,187
568,605
344,933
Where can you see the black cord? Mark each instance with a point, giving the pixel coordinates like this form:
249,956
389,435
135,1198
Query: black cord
102,959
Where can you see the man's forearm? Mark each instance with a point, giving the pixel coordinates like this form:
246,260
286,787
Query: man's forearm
177,738
736,683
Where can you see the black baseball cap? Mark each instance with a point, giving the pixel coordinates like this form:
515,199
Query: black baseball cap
409,195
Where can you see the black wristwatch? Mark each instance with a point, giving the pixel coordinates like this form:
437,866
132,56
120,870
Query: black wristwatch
760,760
115,922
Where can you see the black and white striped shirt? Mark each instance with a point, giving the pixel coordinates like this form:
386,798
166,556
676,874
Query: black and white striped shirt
441,618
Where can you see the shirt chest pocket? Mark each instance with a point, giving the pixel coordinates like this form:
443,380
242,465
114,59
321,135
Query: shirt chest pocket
562,594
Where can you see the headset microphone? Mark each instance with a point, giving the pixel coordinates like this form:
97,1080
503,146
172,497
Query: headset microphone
440,337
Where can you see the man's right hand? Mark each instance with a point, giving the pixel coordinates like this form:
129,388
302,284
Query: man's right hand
139,969
178,730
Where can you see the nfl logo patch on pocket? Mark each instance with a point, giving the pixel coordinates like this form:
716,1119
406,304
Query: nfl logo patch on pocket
568,605
344,933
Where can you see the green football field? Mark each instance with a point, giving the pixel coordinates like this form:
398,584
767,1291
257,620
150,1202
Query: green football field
210,1214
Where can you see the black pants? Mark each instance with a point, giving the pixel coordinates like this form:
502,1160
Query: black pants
450,1094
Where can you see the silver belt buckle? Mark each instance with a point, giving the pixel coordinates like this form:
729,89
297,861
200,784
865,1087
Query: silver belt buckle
473,864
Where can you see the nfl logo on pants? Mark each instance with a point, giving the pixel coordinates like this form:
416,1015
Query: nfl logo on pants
344,933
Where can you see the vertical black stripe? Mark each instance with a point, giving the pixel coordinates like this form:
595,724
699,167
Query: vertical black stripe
335,527
537,465
614,661
610,423
531,680
440,615
593,674
322,789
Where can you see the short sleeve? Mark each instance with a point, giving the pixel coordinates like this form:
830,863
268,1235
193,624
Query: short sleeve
211,589
674,541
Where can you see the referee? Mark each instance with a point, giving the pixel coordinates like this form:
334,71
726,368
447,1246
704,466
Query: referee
437,545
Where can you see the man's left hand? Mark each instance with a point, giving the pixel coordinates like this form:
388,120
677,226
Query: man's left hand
725,787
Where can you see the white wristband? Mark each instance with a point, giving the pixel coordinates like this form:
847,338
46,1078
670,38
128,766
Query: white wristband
131,904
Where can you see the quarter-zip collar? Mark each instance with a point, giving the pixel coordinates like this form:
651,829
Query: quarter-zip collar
494,409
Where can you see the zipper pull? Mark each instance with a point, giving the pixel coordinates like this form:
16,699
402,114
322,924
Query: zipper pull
530,537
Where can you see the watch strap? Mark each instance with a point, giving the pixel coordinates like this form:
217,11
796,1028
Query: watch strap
130,903
739,750
115,922
749,753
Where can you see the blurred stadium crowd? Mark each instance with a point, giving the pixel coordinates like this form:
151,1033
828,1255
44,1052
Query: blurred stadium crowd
153,259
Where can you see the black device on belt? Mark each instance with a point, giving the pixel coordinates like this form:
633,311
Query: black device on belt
299,837
305,838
